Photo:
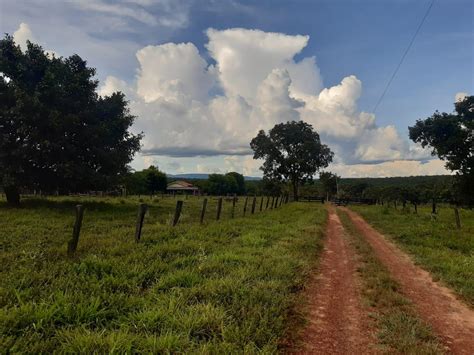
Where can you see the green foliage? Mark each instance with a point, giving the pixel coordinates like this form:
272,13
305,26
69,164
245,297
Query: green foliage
291,151
434,242
451,138
329,183
55,131
224,287
220,185
240,181
147,181
155,180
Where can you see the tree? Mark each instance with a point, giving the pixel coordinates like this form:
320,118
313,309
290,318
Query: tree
240,181
291,151
329,183
222,184
451,138
271,187
155,180
56,132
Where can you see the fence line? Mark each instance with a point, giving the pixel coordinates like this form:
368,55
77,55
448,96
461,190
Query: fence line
143,209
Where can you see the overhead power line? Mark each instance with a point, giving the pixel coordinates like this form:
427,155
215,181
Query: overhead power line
403,56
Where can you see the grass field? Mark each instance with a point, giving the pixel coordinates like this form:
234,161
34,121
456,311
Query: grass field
224,287
435,243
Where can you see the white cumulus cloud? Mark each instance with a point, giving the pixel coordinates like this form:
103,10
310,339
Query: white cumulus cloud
187,107
22,34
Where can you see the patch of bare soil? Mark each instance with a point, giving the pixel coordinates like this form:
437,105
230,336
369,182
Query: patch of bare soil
451,319
338,324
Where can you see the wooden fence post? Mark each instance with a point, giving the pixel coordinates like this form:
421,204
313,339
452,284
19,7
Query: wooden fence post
273,202
177,212
234,200
276,202
72,245
245,204
254,201
140,217
281,199
456,214
268,201
219,208
203,210
261,204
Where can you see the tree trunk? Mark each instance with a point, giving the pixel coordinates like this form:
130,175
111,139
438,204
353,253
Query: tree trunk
295,190
13,195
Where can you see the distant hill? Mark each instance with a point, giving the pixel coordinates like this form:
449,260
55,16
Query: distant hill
194,176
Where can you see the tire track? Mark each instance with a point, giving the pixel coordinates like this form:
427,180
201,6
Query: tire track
338,324
452,320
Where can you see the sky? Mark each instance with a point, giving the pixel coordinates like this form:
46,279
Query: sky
203,77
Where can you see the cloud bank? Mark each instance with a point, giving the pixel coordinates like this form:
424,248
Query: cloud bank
188,107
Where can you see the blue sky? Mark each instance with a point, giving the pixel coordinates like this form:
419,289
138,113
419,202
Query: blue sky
364,39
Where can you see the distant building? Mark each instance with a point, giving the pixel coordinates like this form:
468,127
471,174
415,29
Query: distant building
181,186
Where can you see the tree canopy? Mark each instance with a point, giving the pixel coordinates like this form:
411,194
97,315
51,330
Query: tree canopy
155,180
291,151
451,138
329,183
230,183
56,132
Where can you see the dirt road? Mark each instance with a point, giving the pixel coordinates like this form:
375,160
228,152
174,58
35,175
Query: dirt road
338,323
452,320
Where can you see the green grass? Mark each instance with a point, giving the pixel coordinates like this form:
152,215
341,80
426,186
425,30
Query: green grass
435,243
399,328
225,287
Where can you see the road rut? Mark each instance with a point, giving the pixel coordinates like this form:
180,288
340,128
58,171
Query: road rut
338,324
451,319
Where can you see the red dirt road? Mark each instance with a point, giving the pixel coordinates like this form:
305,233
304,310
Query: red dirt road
452,320
337,321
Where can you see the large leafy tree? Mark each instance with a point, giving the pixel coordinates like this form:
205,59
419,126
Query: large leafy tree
291,151
56,132
240,180
155,180
329,183
451,138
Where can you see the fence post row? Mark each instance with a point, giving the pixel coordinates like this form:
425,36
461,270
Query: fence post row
203,210
72,245
177,212
261,204
219,208
254,201
268,201
245,205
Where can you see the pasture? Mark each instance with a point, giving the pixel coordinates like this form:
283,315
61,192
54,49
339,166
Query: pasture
433,241
223,287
